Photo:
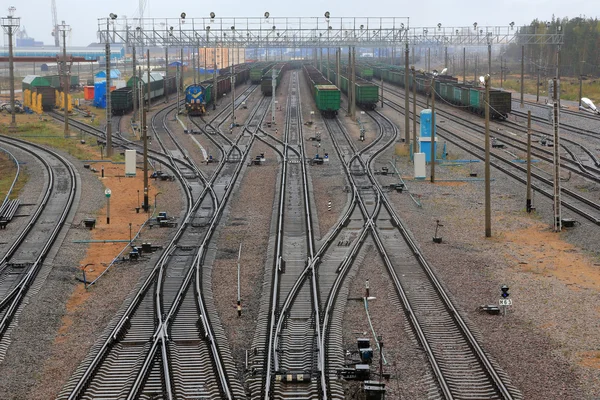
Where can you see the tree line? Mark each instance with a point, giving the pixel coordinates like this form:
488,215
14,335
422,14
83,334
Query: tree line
579,53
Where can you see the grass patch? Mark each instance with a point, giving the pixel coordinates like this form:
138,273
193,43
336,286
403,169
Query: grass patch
9,169
401,150
569,89
50,134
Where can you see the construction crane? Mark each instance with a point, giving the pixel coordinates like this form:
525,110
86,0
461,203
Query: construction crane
55,25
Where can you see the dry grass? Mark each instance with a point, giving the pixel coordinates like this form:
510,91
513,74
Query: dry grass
7,175
569,87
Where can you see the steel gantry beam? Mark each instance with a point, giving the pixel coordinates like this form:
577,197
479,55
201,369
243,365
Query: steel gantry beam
310,32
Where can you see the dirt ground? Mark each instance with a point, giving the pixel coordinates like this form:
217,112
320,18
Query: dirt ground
123,201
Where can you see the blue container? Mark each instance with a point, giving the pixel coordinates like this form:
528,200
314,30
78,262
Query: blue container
100,94
425,137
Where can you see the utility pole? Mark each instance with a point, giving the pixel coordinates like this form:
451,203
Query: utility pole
353,90
528,201
9,23
349,70
215,89
145,138
233,96
64,29
433,129
148,75
406,99
523,73
338,61
167,73
537,95
135,82
490,60
109,149
464,65
555,122
501,72
488,204
414,89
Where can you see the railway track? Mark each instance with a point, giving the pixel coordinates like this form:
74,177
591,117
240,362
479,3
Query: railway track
164,343
571,199
24,259
460,366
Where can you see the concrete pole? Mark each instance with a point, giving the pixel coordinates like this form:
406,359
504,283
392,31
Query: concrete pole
490,62
445,57
194,65
528,201
352,88
233,96
11,74
501,73
414,89
181,75
166,73
476,65
488,203
522,73
273,78
406,98
215,90
66,82
135,96
429,60
464,65
148,82
145,138
338,60
537,92
556,153
109,149
349,70
433,130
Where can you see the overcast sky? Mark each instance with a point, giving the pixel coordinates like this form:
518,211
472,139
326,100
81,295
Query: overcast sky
83,15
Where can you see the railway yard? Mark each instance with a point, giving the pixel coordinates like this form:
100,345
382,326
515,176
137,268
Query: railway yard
298,256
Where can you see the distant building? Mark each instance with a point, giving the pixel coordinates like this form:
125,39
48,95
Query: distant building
117,52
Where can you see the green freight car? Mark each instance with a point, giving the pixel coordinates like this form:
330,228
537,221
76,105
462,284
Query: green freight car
257,71
500,102
327,96
32,81
266,83
366,94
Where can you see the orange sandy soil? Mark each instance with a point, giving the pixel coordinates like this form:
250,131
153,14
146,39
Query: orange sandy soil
122,212
538,251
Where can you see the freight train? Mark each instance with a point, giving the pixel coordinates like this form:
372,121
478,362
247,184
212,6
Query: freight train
365,93
326,95
197,96
122,99
266,82
447,88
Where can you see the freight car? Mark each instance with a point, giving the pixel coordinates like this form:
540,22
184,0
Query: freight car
447,88
122,98
258,70
366,94
326,95
266,83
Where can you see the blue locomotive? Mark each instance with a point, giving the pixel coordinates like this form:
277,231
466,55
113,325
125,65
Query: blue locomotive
196,98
